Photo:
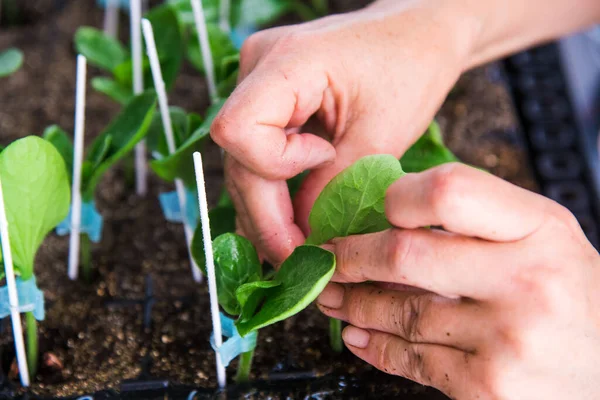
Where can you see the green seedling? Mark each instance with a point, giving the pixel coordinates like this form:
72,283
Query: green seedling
36,198
118,139
256,300
111,56
10,61
253,13
191,133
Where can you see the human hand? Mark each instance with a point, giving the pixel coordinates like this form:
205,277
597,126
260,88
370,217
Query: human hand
503,303
374,79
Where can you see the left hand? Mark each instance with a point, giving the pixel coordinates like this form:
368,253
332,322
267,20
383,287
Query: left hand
504,303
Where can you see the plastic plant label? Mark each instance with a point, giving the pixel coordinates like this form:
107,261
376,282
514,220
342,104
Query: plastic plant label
235,345
169,202
31,299
91,222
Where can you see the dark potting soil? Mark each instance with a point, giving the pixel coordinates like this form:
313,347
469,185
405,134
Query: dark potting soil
93,336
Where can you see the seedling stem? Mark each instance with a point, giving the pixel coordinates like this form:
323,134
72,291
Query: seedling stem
32,342
244,367
335,335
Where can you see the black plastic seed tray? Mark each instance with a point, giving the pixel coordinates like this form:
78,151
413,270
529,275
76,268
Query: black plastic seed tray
556,91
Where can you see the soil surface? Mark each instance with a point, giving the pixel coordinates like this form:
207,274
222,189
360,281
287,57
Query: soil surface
93,337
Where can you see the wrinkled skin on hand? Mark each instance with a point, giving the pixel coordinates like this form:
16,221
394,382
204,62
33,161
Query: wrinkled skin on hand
503,303
362,88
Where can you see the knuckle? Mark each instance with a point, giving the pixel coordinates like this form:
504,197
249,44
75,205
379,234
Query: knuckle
411,311
448,184
399,249
359,308
220,130
251,46
413,363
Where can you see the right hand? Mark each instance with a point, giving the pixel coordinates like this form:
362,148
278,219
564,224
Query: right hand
374,79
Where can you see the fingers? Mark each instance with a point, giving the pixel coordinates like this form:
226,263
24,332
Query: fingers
251,125
466,201
444,368
417,318
264,212
444,263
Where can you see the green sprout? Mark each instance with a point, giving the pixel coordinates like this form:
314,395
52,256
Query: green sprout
36,198
118,139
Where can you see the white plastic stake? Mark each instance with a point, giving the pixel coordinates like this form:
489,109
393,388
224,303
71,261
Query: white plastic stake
77,160
159,85
111,18
13,297
141,165
224,15
205,48
210,265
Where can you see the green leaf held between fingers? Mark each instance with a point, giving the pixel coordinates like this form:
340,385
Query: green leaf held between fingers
120,137
354,201
236,263
427,152
10,61
302,277
180,163
61,142
100,50
222,220
36,196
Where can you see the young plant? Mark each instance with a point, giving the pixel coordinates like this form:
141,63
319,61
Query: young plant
118,139
10,61
36,198
111,56
256,300
191,133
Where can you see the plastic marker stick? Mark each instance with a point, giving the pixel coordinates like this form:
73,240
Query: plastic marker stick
141,165
205,48
77,160
13,297
159,84
210,266
111,18
224,15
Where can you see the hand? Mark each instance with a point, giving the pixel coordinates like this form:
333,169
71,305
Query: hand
373,78
504,303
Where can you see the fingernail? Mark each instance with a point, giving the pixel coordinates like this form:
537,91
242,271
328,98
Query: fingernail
356,337
332,296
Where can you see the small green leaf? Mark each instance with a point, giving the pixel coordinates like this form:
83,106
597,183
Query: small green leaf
236,263
36,196
250,295
428,152
223,51
120,137
353,202
169,42
155,138
112,89
302,277
10,61
61,141
180,164
100,50
222,220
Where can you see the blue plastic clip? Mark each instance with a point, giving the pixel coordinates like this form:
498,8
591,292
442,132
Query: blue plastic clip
241,33
235,345
30,299
123,4
169,202
91,222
